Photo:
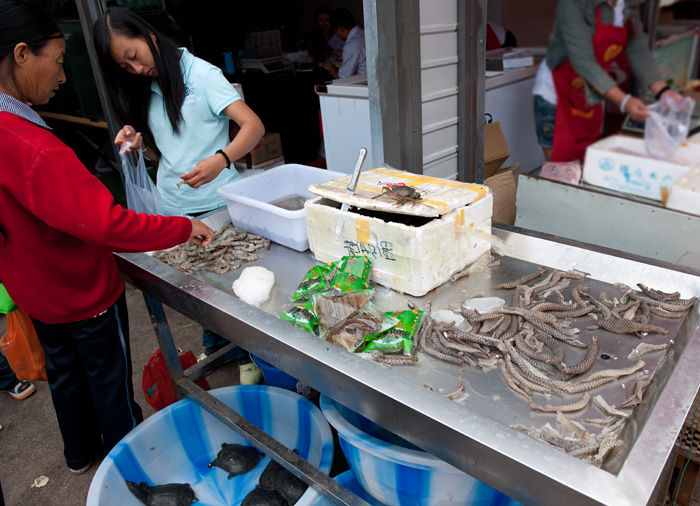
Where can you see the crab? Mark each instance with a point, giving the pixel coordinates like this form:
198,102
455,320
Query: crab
401,193
171,494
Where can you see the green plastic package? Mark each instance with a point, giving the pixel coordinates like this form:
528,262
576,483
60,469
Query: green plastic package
353,274
7,305
302,315
399,337
318,279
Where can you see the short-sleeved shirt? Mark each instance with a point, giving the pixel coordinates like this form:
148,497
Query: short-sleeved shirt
354,54
203,130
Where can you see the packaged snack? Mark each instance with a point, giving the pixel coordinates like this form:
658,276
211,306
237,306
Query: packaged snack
302,315
353,274
318,279
400,337
350,333
335,306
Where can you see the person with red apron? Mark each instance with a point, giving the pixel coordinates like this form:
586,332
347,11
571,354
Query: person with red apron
589,36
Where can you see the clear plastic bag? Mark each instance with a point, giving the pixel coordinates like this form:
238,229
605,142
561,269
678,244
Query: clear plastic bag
142,195
667,127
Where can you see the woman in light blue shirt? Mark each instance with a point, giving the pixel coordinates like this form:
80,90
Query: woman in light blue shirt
177,107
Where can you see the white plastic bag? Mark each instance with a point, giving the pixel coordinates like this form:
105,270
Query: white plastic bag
667,127
142,195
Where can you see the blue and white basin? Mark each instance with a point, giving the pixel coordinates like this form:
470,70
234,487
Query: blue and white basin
397,473
177,444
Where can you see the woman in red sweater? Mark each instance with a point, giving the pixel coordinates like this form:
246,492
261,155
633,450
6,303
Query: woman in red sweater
58,228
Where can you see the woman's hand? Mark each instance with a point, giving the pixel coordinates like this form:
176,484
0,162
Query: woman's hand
128,134
201,234
205,171
636,109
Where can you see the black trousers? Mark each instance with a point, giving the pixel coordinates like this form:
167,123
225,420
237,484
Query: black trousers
88,365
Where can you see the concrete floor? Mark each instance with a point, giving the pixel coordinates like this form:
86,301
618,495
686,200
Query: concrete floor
30,443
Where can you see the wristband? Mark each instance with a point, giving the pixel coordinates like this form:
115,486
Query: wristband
661,92
624,102
228,161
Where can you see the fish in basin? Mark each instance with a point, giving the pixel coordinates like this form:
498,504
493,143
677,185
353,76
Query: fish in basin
276,477
236,459
171,494
264,497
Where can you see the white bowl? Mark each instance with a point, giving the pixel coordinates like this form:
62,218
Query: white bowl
177,444
397,473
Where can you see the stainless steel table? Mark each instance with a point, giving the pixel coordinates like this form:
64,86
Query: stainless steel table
475,437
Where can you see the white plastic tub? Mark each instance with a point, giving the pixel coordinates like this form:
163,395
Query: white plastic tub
250,199
622,163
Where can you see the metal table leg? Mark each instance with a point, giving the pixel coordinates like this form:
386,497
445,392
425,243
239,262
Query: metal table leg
184,386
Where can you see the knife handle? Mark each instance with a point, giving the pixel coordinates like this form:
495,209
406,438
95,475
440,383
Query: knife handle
358,167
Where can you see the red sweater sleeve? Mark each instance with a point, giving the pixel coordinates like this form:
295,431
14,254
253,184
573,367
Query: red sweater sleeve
63,194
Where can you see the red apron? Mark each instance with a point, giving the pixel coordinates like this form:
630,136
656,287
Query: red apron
577,124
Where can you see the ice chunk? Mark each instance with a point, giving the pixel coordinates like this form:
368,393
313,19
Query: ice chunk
484,304
254,285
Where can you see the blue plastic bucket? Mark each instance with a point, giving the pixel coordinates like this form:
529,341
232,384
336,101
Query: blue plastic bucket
274,376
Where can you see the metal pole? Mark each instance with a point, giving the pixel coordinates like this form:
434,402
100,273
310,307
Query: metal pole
392,39
471,36
652,22
89,11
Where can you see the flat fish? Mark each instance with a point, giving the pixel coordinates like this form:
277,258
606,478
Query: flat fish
276,477
171,494
264,497
236,459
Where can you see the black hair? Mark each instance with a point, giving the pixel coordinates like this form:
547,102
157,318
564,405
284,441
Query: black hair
130,95
342,17
21,21
322,9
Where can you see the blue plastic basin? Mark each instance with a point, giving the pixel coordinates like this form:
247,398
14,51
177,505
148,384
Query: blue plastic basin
397,473
274,376
176,445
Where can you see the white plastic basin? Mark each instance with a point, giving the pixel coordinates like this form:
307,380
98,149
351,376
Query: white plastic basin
249,202
177,444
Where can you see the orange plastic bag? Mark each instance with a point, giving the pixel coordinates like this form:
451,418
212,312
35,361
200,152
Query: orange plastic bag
156,383
22,347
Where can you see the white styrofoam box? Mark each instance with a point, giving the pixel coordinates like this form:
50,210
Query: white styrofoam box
408,259
684,194
249,202
622,163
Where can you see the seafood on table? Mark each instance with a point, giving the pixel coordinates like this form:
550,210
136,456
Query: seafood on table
231,247
528,342
170,494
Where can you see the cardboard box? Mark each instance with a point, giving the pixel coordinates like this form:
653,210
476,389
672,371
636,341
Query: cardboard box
275,162
269,147
504,187
410,259
622,163
495,148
